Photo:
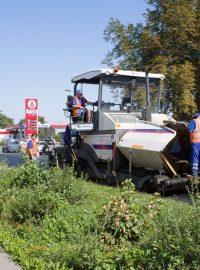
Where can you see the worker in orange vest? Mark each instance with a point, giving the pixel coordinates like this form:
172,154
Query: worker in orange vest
79,106
32,147
194,130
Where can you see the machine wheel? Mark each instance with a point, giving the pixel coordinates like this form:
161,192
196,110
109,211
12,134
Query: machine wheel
60,158
81,167
148,187
144,182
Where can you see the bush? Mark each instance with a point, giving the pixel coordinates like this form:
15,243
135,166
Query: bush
153,234
174,242
68,186
6,176
79,256
28,205
124,219
30,175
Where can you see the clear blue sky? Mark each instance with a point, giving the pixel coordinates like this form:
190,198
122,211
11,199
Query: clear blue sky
44,43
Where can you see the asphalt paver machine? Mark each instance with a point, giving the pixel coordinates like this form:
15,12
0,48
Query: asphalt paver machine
129,136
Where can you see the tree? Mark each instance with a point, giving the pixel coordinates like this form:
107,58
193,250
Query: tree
196,52
181,85
58,137
5,120
168,43
46,132
124,40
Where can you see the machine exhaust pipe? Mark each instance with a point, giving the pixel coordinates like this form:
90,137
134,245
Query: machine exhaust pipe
147,110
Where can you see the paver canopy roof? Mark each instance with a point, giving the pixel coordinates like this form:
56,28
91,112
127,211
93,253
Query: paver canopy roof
94,76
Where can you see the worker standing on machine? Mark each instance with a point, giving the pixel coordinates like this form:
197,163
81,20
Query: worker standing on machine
194,130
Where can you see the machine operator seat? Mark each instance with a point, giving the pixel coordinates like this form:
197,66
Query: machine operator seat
69,106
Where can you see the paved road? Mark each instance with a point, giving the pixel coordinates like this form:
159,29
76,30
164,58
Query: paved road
14,159
6,263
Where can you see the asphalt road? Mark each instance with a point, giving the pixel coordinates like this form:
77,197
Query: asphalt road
14,159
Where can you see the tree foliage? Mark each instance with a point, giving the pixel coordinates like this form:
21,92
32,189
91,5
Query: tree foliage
169,43
5,120
46,132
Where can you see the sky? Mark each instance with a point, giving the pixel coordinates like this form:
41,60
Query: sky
44,43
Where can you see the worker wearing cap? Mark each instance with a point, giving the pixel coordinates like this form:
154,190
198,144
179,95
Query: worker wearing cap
194,130
78,104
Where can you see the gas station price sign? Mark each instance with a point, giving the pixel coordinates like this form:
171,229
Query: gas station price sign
31,112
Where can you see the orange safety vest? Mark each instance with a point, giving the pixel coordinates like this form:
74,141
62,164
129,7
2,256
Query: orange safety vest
34,148
195,135
76,110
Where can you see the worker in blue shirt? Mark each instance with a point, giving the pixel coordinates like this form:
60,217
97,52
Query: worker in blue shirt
194,130
79,106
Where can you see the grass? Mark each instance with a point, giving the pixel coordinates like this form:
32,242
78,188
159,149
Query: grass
51,220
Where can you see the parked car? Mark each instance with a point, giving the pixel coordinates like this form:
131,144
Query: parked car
11,146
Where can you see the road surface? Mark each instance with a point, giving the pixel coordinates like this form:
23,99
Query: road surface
14,159
6,263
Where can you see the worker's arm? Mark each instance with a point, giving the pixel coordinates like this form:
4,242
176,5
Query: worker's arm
88,102
91,103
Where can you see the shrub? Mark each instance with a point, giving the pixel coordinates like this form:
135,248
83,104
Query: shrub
79,256
68,186
194,193
30,205
124,219
174,242
6,176
30,175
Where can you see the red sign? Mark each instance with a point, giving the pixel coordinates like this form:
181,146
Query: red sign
31,110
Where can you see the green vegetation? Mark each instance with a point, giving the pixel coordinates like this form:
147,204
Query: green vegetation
51,220
168,43
58,137
5,120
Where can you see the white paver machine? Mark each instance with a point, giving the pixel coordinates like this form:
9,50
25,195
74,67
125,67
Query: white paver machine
129,136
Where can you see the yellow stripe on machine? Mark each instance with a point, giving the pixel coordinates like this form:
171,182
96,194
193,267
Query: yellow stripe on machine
117,125
137,146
